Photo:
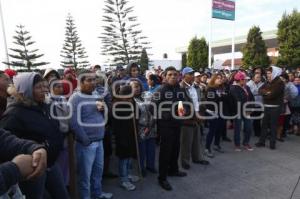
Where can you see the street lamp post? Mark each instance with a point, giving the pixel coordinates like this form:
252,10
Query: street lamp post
4,34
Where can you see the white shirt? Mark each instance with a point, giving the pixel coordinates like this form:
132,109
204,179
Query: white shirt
193,94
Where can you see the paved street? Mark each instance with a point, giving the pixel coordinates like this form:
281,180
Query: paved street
261,174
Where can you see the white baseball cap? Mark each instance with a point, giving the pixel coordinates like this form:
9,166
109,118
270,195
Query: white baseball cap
196,74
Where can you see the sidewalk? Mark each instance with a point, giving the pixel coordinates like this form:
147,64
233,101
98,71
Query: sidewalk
261,174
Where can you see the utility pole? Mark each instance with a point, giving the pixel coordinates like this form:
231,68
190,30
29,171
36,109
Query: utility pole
4,34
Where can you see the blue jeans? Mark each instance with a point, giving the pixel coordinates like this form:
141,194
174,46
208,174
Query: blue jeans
124,168
247,131
90,165
147,153
17,194
215,131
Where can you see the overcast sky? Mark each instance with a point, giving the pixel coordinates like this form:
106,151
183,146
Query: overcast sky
168,23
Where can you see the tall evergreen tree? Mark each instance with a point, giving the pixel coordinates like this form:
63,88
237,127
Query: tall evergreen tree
73,53
24,57
121,37
197,53
183,59
289,39
255,50
144,61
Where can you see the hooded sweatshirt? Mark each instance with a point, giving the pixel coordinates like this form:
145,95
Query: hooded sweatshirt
276,72
24,84
32,121
273,92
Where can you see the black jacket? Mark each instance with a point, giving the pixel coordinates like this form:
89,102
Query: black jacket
273,92
222,99
34,123
124,131
11,146
171,95
240,95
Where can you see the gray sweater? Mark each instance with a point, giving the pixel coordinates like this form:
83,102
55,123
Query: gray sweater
87,122
254,89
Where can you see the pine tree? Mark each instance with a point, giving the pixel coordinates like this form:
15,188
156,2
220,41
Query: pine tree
73,53
121,37
144,61
24,57
197,53
255,50
289,40
183,60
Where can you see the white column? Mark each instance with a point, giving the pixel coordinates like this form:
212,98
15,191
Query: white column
233,47
210,36
233,41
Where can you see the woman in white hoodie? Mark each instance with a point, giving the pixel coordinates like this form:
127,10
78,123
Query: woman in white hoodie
273,94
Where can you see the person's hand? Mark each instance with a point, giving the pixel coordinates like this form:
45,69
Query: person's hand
266,92
184,113
248,113
24,164
100,105
39,163
147,130
263,91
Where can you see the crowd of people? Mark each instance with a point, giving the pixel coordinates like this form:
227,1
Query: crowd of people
52,123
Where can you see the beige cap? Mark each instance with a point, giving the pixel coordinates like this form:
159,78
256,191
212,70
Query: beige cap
196,74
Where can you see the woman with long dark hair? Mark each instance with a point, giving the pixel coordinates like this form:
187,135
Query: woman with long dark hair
216,94
124,126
